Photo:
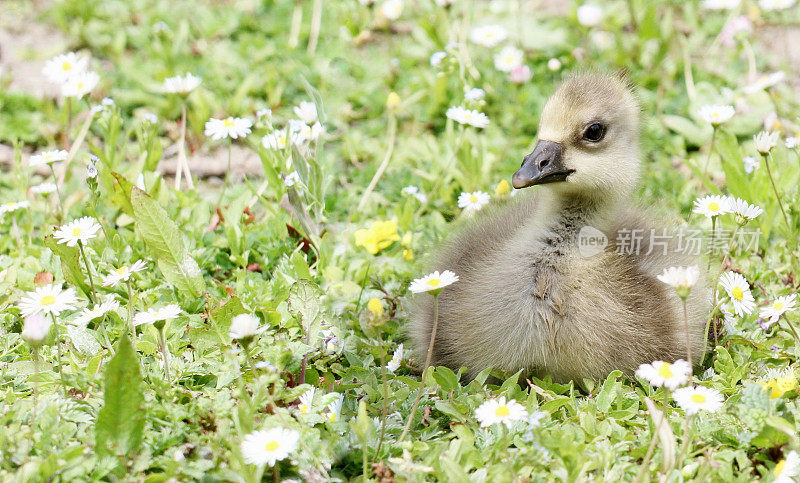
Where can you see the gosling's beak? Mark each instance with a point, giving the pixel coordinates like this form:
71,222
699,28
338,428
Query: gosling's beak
543,165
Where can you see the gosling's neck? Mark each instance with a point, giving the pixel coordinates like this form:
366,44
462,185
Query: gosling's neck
566,212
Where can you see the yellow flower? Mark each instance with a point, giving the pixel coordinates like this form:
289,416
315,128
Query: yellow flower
374,305
378,236
780,386
392,101
408,254
502,188
406,242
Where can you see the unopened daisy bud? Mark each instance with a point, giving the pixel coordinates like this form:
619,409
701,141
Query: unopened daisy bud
392,101
375,307
765,141
554,64
682,279
35,329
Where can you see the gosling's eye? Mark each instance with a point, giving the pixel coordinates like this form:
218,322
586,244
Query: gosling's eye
594,132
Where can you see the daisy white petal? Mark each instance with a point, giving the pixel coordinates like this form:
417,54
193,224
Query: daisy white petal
153,315
47,299
660,373
765,141
680,278
433,281
335,409
35,329
397,359
496,411
243,326
488,35
80,230
589,15
80,84
712,205
716,114
473,201
307,112
698,398
743,210
268,447
62,67
230,127
777,308
307,401
123,273
738,290
788,469
508,58
89,314
181,84
47,157
13,206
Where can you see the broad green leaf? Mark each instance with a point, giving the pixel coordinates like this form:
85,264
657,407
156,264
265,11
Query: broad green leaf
694,134
609,391
222,316
122,193
70,264
304,299
120,422
163,238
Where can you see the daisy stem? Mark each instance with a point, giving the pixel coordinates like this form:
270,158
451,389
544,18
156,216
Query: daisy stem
384,164
35,380
686,438
791,326
227,171
767,159
105,335
130,311
384,408
688,338
162,341
710,150
93,297
316,21
711,245
425,370
58,351
276,473
67,123
708,326
297,19
58,192
651,448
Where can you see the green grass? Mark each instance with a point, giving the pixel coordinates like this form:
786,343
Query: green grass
112,413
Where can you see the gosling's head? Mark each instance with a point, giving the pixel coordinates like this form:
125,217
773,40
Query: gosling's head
588,139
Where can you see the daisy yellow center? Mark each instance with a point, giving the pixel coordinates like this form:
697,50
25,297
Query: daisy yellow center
713,206
80,85
304,409
10,204
332,417
502,411
228,122
272,446
778,306
737,293
698,398
434,282
76,232
665,371
66,66
473,199
121,270
48,300
779,467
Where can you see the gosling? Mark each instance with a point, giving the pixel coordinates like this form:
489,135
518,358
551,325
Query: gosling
538,292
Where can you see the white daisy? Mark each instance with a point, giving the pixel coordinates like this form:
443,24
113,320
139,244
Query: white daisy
291,179
335,409
474,94
739,292
44,189
397,359
661,373
773,311
47,299
589,15
775,4
80,230
433,282
554,65
35,329
306,401
264,113
495,411
244,325
392,9
13,206
716,114
750,164
277,140
721,4
788,469
488,35
743,210
230,127
412,190
307,112
437,58
508,58
153,315
712,205
765,141
268,447
87,315
792,142
47,157
471,117
80,84
149,118
766,82
682,279
602,39
473,201
698,398
62,67
181,84
123,273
